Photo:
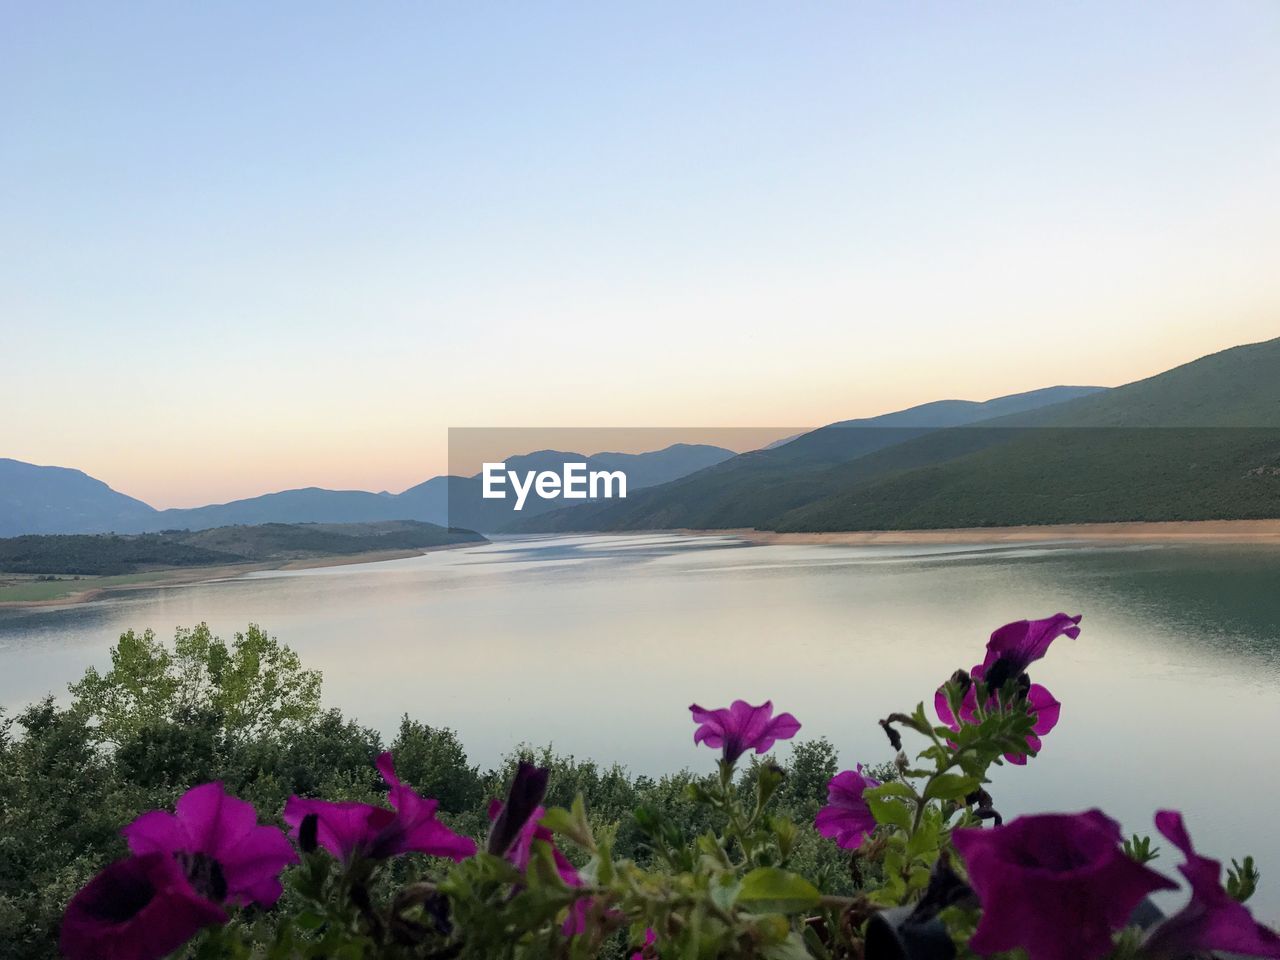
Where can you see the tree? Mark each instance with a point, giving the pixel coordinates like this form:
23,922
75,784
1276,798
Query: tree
256,687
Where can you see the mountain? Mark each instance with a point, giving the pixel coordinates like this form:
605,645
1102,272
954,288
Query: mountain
35,499
752,489
1238,387
448,500
306,505
1200,441
468,508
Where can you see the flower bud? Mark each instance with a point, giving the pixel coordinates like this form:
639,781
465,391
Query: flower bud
307,833
895,738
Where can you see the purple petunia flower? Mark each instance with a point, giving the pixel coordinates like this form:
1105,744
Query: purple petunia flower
742,727
1056,885
141,908
527,790
1011,649
846,818
1040,703
1212,920
216,837
647,948
521,851
348,830
1015,646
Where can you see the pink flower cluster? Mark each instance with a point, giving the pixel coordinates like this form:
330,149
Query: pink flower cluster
1059,885
187,866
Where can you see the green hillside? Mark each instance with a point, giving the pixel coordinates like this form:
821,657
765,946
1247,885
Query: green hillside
1201,441
752,489
1239,387
1067,475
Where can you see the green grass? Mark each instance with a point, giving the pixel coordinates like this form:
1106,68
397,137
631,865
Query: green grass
28,589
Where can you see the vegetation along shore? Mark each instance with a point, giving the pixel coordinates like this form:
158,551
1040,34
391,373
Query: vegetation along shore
72,568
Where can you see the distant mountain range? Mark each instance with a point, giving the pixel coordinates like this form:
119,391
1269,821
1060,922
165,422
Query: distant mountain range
1201,441
36,499
753,488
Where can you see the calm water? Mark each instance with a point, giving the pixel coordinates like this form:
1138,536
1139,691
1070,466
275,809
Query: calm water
597,645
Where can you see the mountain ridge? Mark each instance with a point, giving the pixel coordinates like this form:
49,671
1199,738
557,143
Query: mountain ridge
29,504
747,490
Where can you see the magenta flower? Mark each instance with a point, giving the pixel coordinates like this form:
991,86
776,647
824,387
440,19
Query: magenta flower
1015,646
646,950
528,787
141,908
521,851
846,818
1212,920
218,841
742,727
1056,885
1040,703
349,830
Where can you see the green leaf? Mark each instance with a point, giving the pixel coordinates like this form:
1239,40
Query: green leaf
768,780
770,890
890,812
559,820
605,871
1242,880
924,842
785,832
543,871
894,788
724,891
950,786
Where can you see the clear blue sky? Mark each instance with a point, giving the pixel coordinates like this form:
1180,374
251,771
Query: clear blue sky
247,246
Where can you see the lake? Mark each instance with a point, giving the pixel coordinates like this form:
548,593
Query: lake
598,644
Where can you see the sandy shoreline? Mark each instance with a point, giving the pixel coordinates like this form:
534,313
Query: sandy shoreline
191,575
1189,531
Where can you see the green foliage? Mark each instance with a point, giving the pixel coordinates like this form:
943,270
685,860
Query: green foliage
163,717
1006,476
1139,848
110,554
255,687
1242,879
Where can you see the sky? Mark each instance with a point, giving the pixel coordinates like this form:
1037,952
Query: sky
246,247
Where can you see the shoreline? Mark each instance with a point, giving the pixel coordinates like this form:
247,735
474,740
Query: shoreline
1165,531
1225,532
186,576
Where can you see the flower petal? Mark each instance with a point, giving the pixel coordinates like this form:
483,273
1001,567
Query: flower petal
141,908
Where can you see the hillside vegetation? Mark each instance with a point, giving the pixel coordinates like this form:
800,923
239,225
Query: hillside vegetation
1199,442
113,554
753,488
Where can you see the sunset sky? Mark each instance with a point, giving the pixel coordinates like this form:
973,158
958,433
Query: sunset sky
255,246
